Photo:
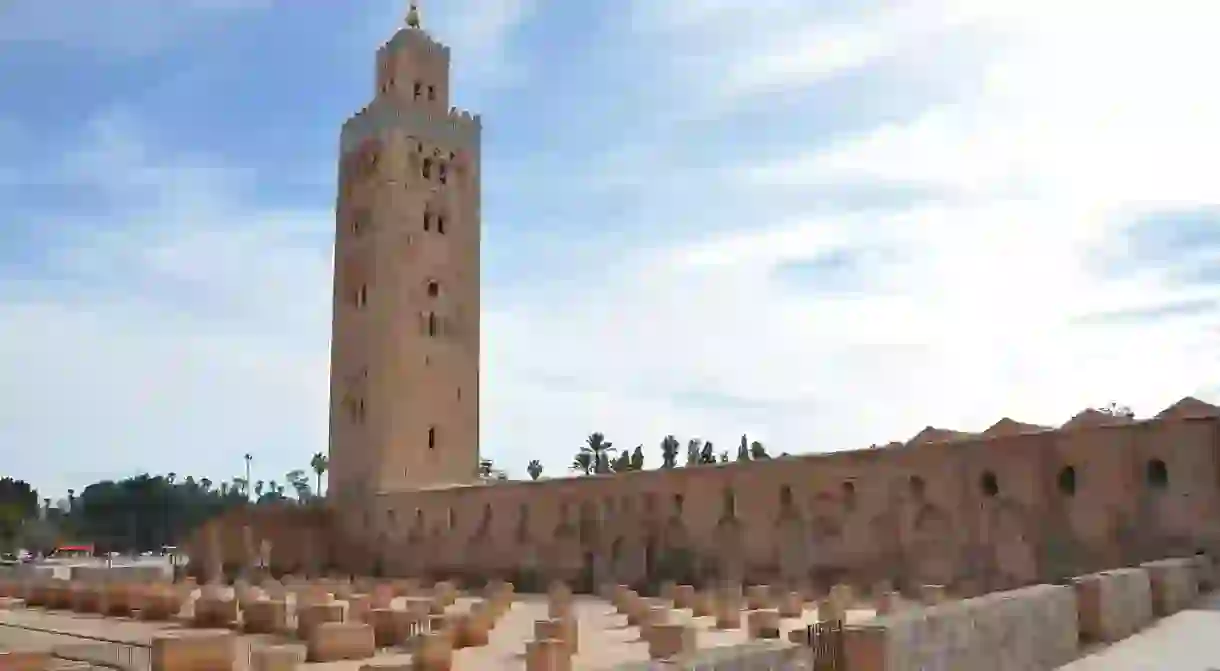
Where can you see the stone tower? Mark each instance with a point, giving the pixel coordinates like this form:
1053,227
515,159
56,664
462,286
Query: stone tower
404,392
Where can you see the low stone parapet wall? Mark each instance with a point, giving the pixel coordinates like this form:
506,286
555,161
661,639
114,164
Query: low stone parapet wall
1027,629
1174,582
1112,605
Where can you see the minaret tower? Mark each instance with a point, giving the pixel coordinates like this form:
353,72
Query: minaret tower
404,391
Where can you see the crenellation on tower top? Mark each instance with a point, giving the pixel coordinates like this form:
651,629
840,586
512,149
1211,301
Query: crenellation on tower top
457,128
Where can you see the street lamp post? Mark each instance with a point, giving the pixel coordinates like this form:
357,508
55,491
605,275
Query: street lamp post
249,458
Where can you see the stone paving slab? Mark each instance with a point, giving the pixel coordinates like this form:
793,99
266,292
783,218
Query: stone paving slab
1185,641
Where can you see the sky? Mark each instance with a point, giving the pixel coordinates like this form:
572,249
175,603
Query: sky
821,224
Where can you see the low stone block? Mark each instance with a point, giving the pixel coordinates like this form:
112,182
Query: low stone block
26,660
567,631
790,604
469,630
265,617
547,655
932,595
887,602
728,614
683,595
358,607
1174,584
1113,604
758,597
702,604
335,641
394,627
763,624
186,650
275,658
829,610
215,612
87,599
559,606
159,603
312,616
672,640
434,653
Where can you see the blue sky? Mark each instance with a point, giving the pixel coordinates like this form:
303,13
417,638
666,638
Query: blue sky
822,224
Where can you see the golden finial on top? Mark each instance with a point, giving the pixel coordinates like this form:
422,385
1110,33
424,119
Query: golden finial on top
413,15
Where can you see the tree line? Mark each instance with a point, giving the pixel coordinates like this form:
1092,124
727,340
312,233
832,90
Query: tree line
598,456
142,512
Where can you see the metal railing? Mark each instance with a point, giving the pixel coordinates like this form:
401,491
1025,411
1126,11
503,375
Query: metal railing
96,651
826,642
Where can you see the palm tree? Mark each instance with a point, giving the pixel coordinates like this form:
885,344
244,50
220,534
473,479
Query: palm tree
693,449
669,452
601,449
637,458
757,451
320,463
583,461
206,484
622,463
534,469
258,490
743,450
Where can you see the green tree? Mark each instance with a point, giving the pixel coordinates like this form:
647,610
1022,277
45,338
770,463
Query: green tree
622,463
583,461
757,451
743,450
534,469
320,463
708,455
669,452
637,458
600,449
694,448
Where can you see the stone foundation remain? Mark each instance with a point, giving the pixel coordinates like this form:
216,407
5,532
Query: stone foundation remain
1113,604
1175,584
1028,629
194,651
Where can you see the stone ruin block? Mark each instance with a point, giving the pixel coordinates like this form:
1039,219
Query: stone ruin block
672,640
27,660
547,655
311,617
59,595
888,603
638,609
312,595
683,595
159,603
830,610
357,607
763,624
702,604
1113,604
335,641
654,615
394,627
932,595
276,658
758,597
468,630
118,600
790,605
843,596
381,596
728,614
194,651
87,598
434,653
215,612
1175,584
1030,628
559,606
567,631
265,617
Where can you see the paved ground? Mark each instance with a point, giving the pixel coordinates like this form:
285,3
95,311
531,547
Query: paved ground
1186,641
